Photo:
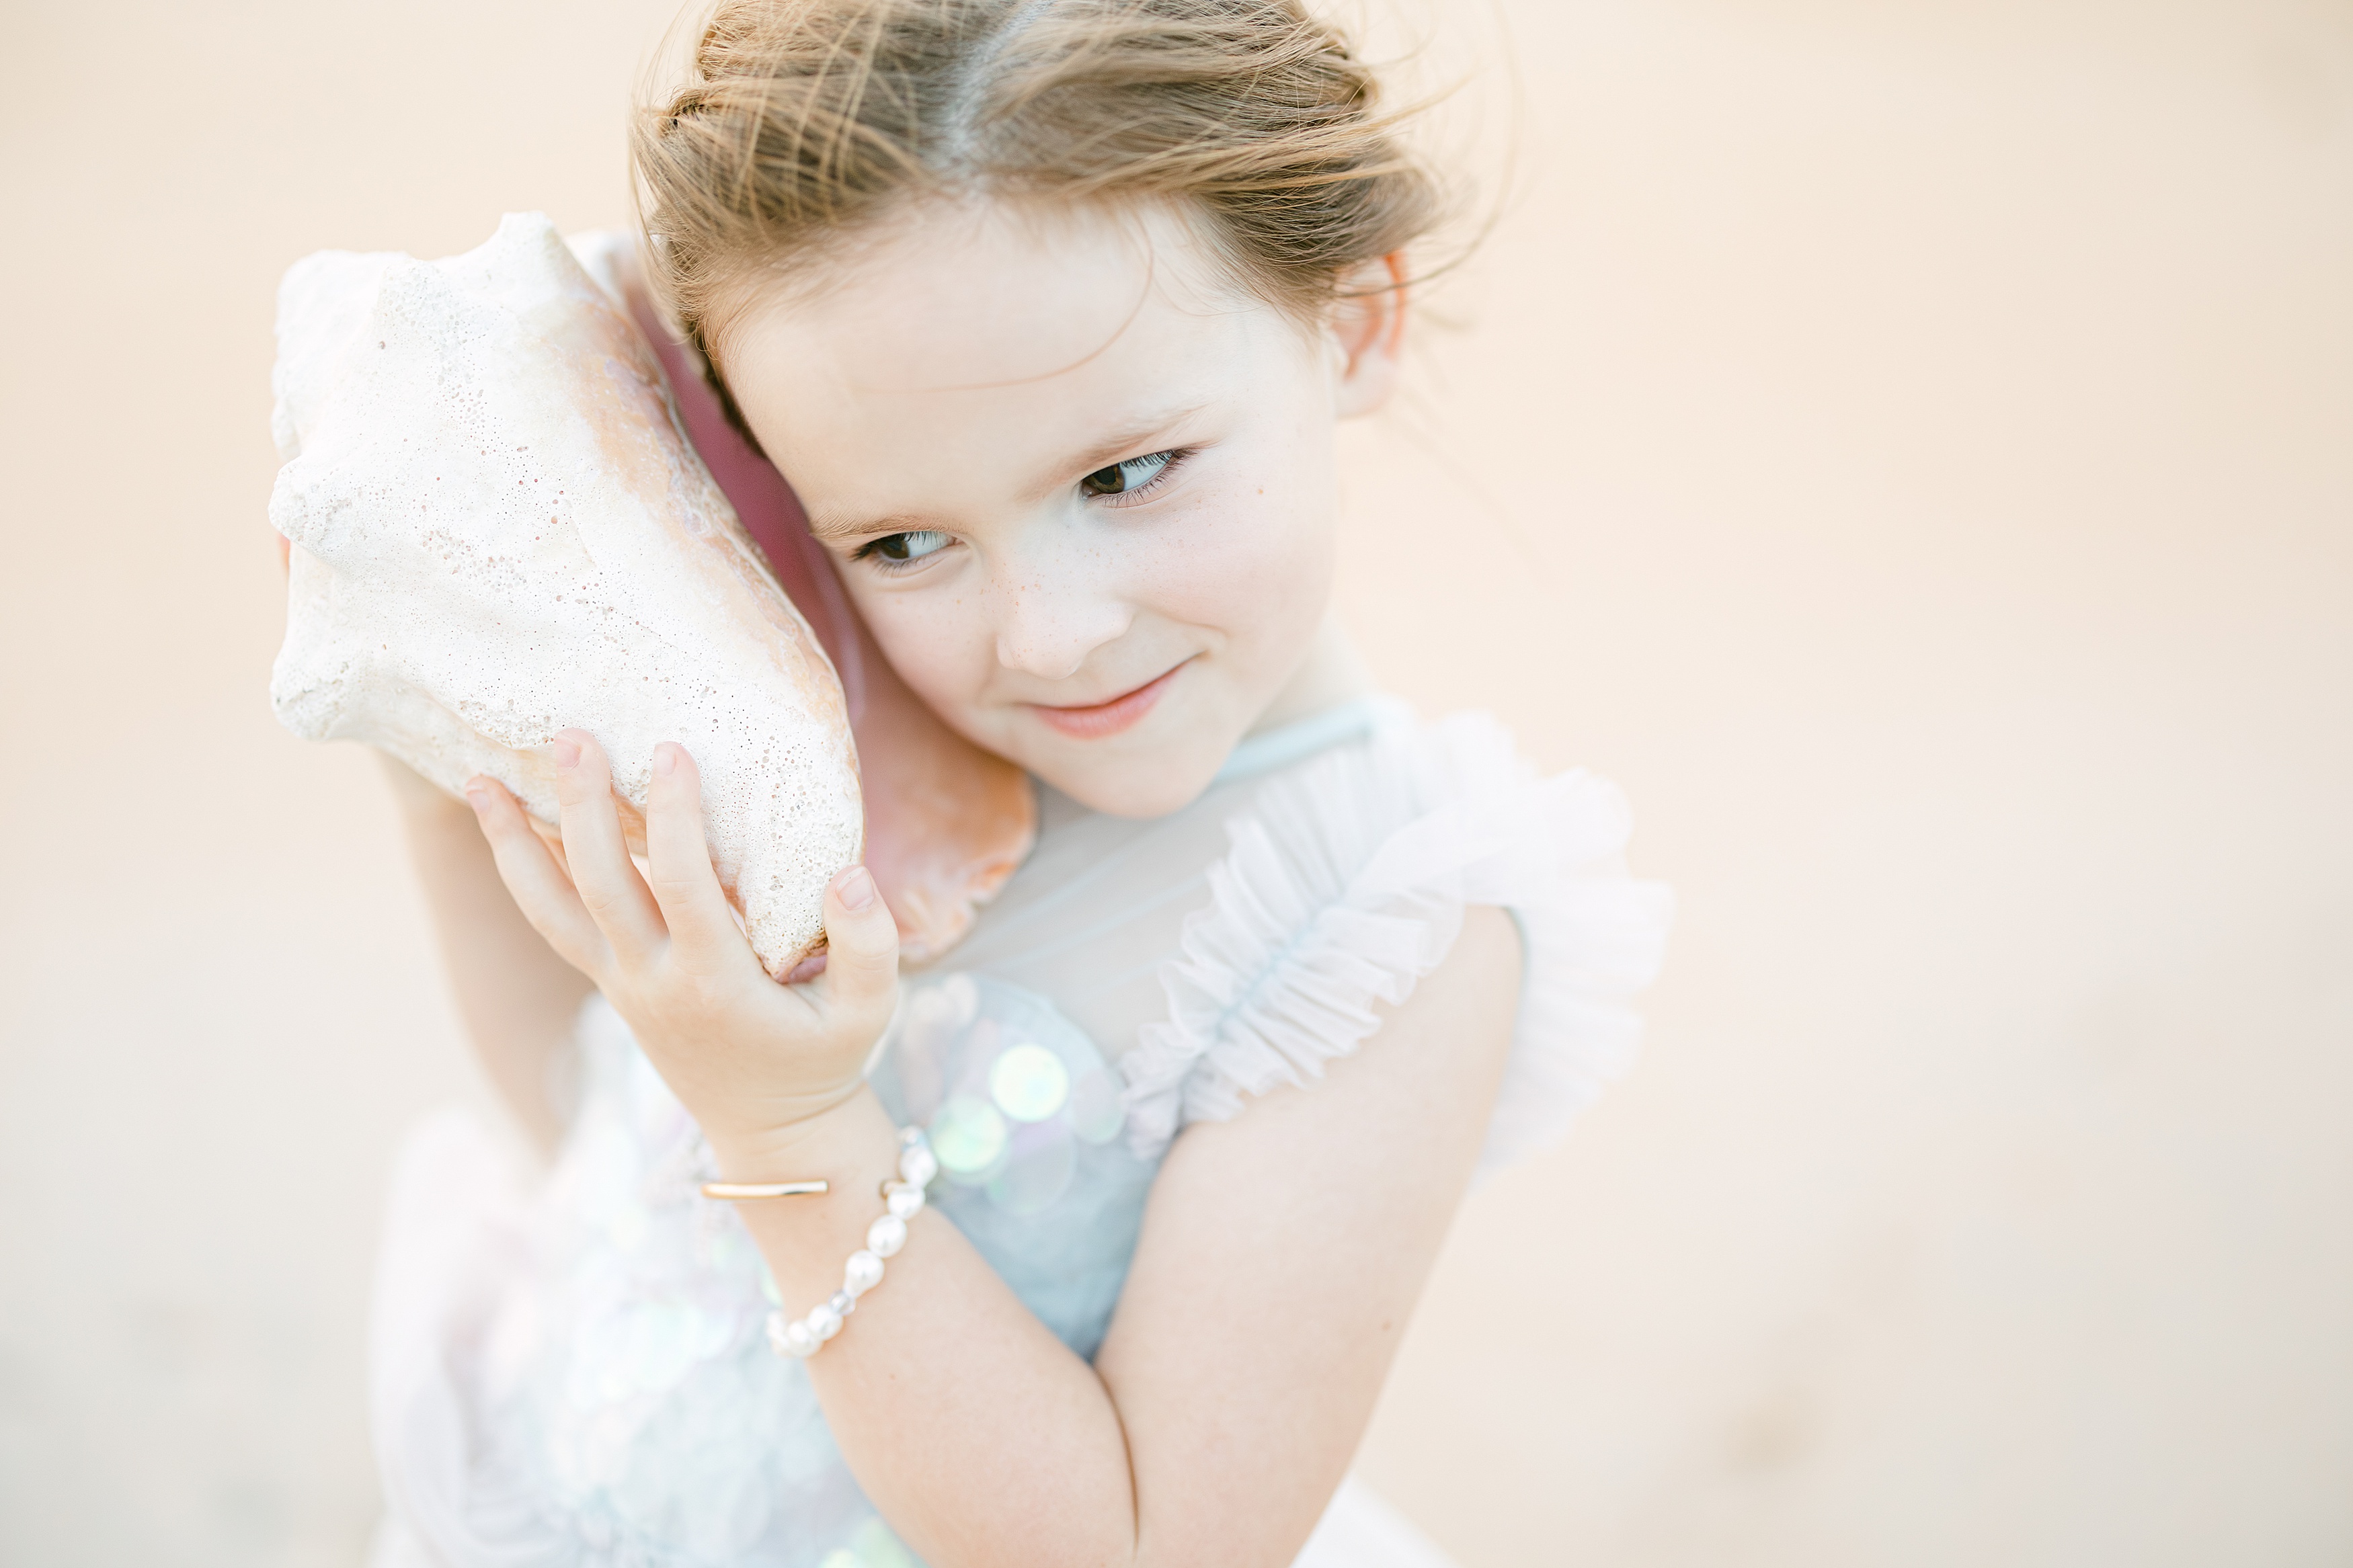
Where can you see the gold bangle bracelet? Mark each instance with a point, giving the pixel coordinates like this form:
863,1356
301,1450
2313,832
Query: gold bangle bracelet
730,1191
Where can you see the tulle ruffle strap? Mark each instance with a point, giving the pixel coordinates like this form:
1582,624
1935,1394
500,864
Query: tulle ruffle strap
1346,883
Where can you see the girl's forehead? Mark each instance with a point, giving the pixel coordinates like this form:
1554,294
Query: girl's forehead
997,296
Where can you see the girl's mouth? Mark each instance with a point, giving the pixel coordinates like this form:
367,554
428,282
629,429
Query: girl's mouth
1102,719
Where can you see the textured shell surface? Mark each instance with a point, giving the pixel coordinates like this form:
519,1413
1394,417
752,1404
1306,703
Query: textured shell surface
500,531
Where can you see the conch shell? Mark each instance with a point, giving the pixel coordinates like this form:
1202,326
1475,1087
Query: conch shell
500,530
946,823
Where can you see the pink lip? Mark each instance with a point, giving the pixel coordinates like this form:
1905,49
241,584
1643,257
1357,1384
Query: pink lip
1093,724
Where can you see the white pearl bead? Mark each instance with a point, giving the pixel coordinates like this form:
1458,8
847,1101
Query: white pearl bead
793,1339
905,1203
824,1322
886,1236
919,1165
862,1273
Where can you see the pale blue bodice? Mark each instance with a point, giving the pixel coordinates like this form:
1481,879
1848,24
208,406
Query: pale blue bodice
1025,1116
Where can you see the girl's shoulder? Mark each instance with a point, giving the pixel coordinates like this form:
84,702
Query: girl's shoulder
1343,881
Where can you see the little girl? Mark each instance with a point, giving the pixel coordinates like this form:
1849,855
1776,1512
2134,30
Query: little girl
1048,309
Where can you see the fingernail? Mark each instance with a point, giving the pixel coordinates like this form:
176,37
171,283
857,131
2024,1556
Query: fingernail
665,758
478,794
567,753
856,886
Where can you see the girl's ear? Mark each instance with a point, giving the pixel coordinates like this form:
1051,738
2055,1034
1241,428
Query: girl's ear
1367,329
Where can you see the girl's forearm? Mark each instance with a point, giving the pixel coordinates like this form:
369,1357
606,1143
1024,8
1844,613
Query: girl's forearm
980,1436
515,997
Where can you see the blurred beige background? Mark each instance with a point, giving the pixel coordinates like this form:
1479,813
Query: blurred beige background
1911,447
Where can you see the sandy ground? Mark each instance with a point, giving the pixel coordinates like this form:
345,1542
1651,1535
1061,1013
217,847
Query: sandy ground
1911,447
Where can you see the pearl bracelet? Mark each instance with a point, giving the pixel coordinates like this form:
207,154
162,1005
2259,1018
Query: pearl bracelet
800,1337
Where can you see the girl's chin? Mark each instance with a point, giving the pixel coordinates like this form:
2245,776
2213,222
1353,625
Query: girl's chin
1138,782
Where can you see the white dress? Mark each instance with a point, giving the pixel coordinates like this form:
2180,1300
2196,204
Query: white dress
571,1370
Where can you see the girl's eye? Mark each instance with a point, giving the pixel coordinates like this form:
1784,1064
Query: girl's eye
900,549
1123,478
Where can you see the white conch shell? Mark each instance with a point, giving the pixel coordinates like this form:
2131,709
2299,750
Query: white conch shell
500,531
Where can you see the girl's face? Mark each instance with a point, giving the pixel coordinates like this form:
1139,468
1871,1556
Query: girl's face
1079,483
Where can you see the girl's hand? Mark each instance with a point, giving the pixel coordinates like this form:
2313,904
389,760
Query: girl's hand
750,1058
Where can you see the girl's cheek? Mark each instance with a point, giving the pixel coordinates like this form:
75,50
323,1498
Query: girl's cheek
1266,540
937,639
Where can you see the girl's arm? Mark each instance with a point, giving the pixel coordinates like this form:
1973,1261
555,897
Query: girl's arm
516,998
1281,1254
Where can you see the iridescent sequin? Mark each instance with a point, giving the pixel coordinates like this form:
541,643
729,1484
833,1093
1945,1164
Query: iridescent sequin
969,1138
1029,1082
1042,1160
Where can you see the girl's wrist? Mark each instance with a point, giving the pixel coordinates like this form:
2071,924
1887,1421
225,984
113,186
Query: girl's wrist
854,1149
843,1137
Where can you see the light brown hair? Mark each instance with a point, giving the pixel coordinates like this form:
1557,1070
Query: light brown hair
807,122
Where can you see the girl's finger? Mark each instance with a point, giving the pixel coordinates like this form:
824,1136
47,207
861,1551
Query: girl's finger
862,951
594,852
537,884
703,932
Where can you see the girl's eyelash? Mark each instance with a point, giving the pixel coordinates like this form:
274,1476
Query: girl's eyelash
878,550
1173,458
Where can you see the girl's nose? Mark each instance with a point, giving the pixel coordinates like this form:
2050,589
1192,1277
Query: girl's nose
1047,628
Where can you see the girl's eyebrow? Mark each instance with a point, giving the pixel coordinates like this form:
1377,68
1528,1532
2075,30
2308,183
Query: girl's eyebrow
1124,441
836,529
827,528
